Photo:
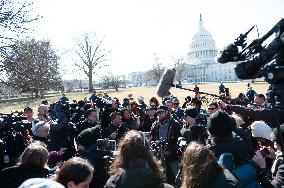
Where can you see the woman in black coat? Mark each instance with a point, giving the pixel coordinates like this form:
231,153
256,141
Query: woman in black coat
135,166
33,164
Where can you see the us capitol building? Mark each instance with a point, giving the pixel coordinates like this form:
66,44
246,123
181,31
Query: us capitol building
201,62
201,65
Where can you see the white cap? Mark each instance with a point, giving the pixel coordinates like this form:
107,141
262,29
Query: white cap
261,129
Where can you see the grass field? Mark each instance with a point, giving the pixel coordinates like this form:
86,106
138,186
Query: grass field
145,91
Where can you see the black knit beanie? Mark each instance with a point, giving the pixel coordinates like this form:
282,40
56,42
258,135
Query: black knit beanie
220,125
89,136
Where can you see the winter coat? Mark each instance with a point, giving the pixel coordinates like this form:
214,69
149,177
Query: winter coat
16,175
172,138
234,146
135,178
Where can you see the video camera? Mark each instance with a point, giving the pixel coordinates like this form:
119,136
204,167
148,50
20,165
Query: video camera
257,60
15,120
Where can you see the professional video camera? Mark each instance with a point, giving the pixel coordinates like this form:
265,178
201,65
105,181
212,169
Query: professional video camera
257,60
15,120
14,137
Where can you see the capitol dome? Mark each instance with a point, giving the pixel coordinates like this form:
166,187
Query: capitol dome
202,48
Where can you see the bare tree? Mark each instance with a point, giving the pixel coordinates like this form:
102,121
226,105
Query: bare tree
15,15
114,81
181,69
157,70
93,55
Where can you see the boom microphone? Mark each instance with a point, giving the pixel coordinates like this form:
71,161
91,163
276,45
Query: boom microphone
166,82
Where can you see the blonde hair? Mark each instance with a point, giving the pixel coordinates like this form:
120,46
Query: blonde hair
35,153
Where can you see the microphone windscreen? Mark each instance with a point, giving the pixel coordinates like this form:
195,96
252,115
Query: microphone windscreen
166,82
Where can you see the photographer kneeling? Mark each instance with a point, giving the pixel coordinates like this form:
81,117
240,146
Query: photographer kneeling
87,149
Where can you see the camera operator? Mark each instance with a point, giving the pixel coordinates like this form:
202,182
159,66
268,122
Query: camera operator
87,148
166,128
91,120
192,131
116,129
62,132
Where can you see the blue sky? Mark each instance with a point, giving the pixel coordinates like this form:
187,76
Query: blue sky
135,29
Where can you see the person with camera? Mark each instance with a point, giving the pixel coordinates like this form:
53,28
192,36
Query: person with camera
135,165
87,148
192,131
116,129
91,120
167,129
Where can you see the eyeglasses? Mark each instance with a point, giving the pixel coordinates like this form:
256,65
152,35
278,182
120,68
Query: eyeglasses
211,108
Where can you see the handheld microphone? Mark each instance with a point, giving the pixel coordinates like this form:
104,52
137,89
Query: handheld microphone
166,82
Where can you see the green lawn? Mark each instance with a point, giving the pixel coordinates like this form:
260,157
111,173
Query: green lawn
145,91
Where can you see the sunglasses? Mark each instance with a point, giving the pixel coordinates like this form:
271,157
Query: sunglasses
160,112
211,108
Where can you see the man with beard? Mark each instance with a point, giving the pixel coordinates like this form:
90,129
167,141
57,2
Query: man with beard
167,129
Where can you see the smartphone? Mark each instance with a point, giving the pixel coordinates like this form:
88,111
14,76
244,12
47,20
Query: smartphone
264,152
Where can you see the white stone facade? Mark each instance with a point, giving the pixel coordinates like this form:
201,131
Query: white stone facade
201,60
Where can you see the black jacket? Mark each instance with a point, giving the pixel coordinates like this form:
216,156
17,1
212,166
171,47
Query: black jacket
96,158
234,146
135,178
172,138
16,175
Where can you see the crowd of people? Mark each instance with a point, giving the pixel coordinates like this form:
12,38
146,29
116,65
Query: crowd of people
225,143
